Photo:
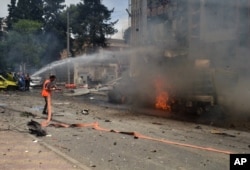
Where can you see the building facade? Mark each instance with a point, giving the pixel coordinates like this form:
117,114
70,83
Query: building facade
3,28
204,28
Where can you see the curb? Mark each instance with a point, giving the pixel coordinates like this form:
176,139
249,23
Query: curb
53,149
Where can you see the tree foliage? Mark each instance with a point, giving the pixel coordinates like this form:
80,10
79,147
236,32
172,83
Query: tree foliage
25,9
47,14
52,12
24,43
12,14
54,29
37,29
25,27
3,51
90,22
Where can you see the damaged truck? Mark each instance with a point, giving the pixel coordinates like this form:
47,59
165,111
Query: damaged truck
174,84
185,55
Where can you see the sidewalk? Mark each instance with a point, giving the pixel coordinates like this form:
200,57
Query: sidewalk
20,151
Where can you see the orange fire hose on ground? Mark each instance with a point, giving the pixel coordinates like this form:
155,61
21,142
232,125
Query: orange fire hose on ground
96,126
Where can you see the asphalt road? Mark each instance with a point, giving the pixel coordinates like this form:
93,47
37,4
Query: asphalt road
159,142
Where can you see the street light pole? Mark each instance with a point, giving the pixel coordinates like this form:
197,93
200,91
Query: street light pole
68,53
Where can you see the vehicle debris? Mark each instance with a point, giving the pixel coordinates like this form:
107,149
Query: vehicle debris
35,128
27,114
85,111
77,92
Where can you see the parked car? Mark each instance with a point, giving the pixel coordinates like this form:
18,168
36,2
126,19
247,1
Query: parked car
7,84
36,81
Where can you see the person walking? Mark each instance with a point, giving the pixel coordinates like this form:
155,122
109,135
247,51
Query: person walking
21,81
48,87
27,82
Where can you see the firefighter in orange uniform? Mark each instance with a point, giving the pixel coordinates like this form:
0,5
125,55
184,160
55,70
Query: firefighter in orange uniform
48,87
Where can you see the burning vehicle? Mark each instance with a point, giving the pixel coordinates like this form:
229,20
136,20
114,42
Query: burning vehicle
173,84
185,57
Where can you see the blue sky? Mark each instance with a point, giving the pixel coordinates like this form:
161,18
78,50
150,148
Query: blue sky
119,12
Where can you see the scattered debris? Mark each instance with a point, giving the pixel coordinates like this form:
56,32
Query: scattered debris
156,123
62,147
62,103
35,128
27,114
221,133
107,120
77,92
61,115
198,127
85,111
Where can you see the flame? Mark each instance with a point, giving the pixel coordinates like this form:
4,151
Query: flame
162,96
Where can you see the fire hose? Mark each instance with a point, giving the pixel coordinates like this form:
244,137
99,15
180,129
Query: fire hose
137,135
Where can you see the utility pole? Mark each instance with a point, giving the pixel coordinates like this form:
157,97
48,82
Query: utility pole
68,53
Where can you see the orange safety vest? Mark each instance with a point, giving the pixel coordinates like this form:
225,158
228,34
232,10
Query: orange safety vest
45,91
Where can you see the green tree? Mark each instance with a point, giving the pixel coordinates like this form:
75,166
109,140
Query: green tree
54,29
12,14
31,10
24,9
24,43
3,45
3,51
46,12
52,11
90,22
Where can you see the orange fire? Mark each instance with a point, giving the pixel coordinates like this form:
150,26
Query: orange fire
161,96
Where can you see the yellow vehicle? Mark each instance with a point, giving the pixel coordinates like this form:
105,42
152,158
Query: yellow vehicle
7,84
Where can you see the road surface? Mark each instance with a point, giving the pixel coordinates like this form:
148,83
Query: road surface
122,138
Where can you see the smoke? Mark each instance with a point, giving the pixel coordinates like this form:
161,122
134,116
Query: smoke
219,33
121,26
62,68
169,49
147,68
29,51
225,39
